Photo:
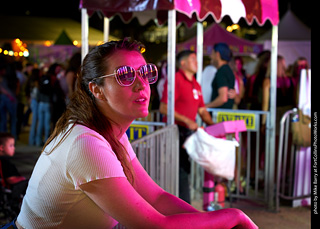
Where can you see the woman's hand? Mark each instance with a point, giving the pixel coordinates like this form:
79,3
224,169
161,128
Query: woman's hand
245,222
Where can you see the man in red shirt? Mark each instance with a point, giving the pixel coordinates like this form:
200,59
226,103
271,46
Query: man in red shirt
188,103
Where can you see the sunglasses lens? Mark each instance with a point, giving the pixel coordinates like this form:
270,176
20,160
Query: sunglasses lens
149,73
126,75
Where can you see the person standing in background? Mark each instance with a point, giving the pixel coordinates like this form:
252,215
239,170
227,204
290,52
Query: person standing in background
72,70
9,85
21,95
188,103
224,80
239,89
33,88
208,75
285,92
253,91
27,72
46,99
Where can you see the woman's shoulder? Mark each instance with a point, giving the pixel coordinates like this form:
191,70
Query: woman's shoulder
79,131
85,137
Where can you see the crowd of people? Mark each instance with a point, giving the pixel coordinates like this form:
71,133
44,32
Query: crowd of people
42,92
245,90
225,84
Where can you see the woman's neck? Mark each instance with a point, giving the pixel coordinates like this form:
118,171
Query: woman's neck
120,129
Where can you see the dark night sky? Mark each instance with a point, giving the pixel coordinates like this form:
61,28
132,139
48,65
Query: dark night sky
69,8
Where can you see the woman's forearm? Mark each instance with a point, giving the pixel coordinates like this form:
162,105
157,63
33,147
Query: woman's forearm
224,218
168,204
174,208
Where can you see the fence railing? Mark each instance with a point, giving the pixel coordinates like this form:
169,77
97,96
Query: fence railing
158,153
293,165
252,157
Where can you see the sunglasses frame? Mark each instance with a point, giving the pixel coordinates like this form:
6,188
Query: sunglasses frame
135,74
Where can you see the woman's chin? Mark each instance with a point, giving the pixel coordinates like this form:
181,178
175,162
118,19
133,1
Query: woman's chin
144,114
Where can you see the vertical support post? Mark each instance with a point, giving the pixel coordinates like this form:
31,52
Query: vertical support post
199,51
272,124
84,33
106,25
171,64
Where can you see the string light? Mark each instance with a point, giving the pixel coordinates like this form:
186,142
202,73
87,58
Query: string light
19,49
230,28
47,43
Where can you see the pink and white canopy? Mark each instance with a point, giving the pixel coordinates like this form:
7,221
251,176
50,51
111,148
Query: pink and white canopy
188,10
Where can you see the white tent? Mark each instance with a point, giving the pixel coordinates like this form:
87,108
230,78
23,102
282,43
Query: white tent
294,39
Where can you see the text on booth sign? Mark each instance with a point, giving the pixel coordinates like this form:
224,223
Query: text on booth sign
249,119
137,131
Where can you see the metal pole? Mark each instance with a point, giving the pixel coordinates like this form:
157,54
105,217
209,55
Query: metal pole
273,105
106,24
84,33
199,51
171,64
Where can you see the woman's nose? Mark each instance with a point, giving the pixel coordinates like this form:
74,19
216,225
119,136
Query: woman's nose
140,83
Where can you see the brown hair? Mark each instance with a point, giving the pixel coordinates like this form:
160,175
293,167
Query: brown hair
82,108
4,137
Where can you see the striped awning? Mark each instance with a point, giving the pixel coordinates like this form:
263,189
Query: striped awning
188,10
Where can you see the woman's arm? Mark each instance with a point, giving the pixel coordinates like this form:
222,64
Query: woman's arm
131,207
162,201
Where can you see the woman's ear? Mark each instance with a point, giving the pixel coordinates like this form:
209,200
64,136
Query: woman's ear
96,91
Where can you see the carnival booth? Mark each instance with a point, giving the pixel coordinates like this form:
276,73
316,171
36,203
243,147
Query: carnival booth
193,11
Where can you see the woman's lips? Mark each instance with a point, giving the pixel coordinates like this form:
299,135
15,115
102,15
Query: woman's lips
141,100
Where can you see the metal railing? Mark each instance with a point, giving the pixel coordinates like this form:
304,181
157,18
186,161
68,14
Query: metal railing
293,167
252,157
158,153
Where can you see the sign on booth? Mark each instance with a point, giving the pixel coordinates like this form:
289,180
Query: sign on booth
250,120
136,131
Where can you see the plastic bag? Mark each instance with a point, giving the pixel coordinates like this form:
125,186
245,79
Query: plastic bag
215,155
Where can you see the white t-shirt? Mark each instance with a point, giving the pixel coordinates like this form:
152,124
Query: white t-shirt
206,82
54,199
